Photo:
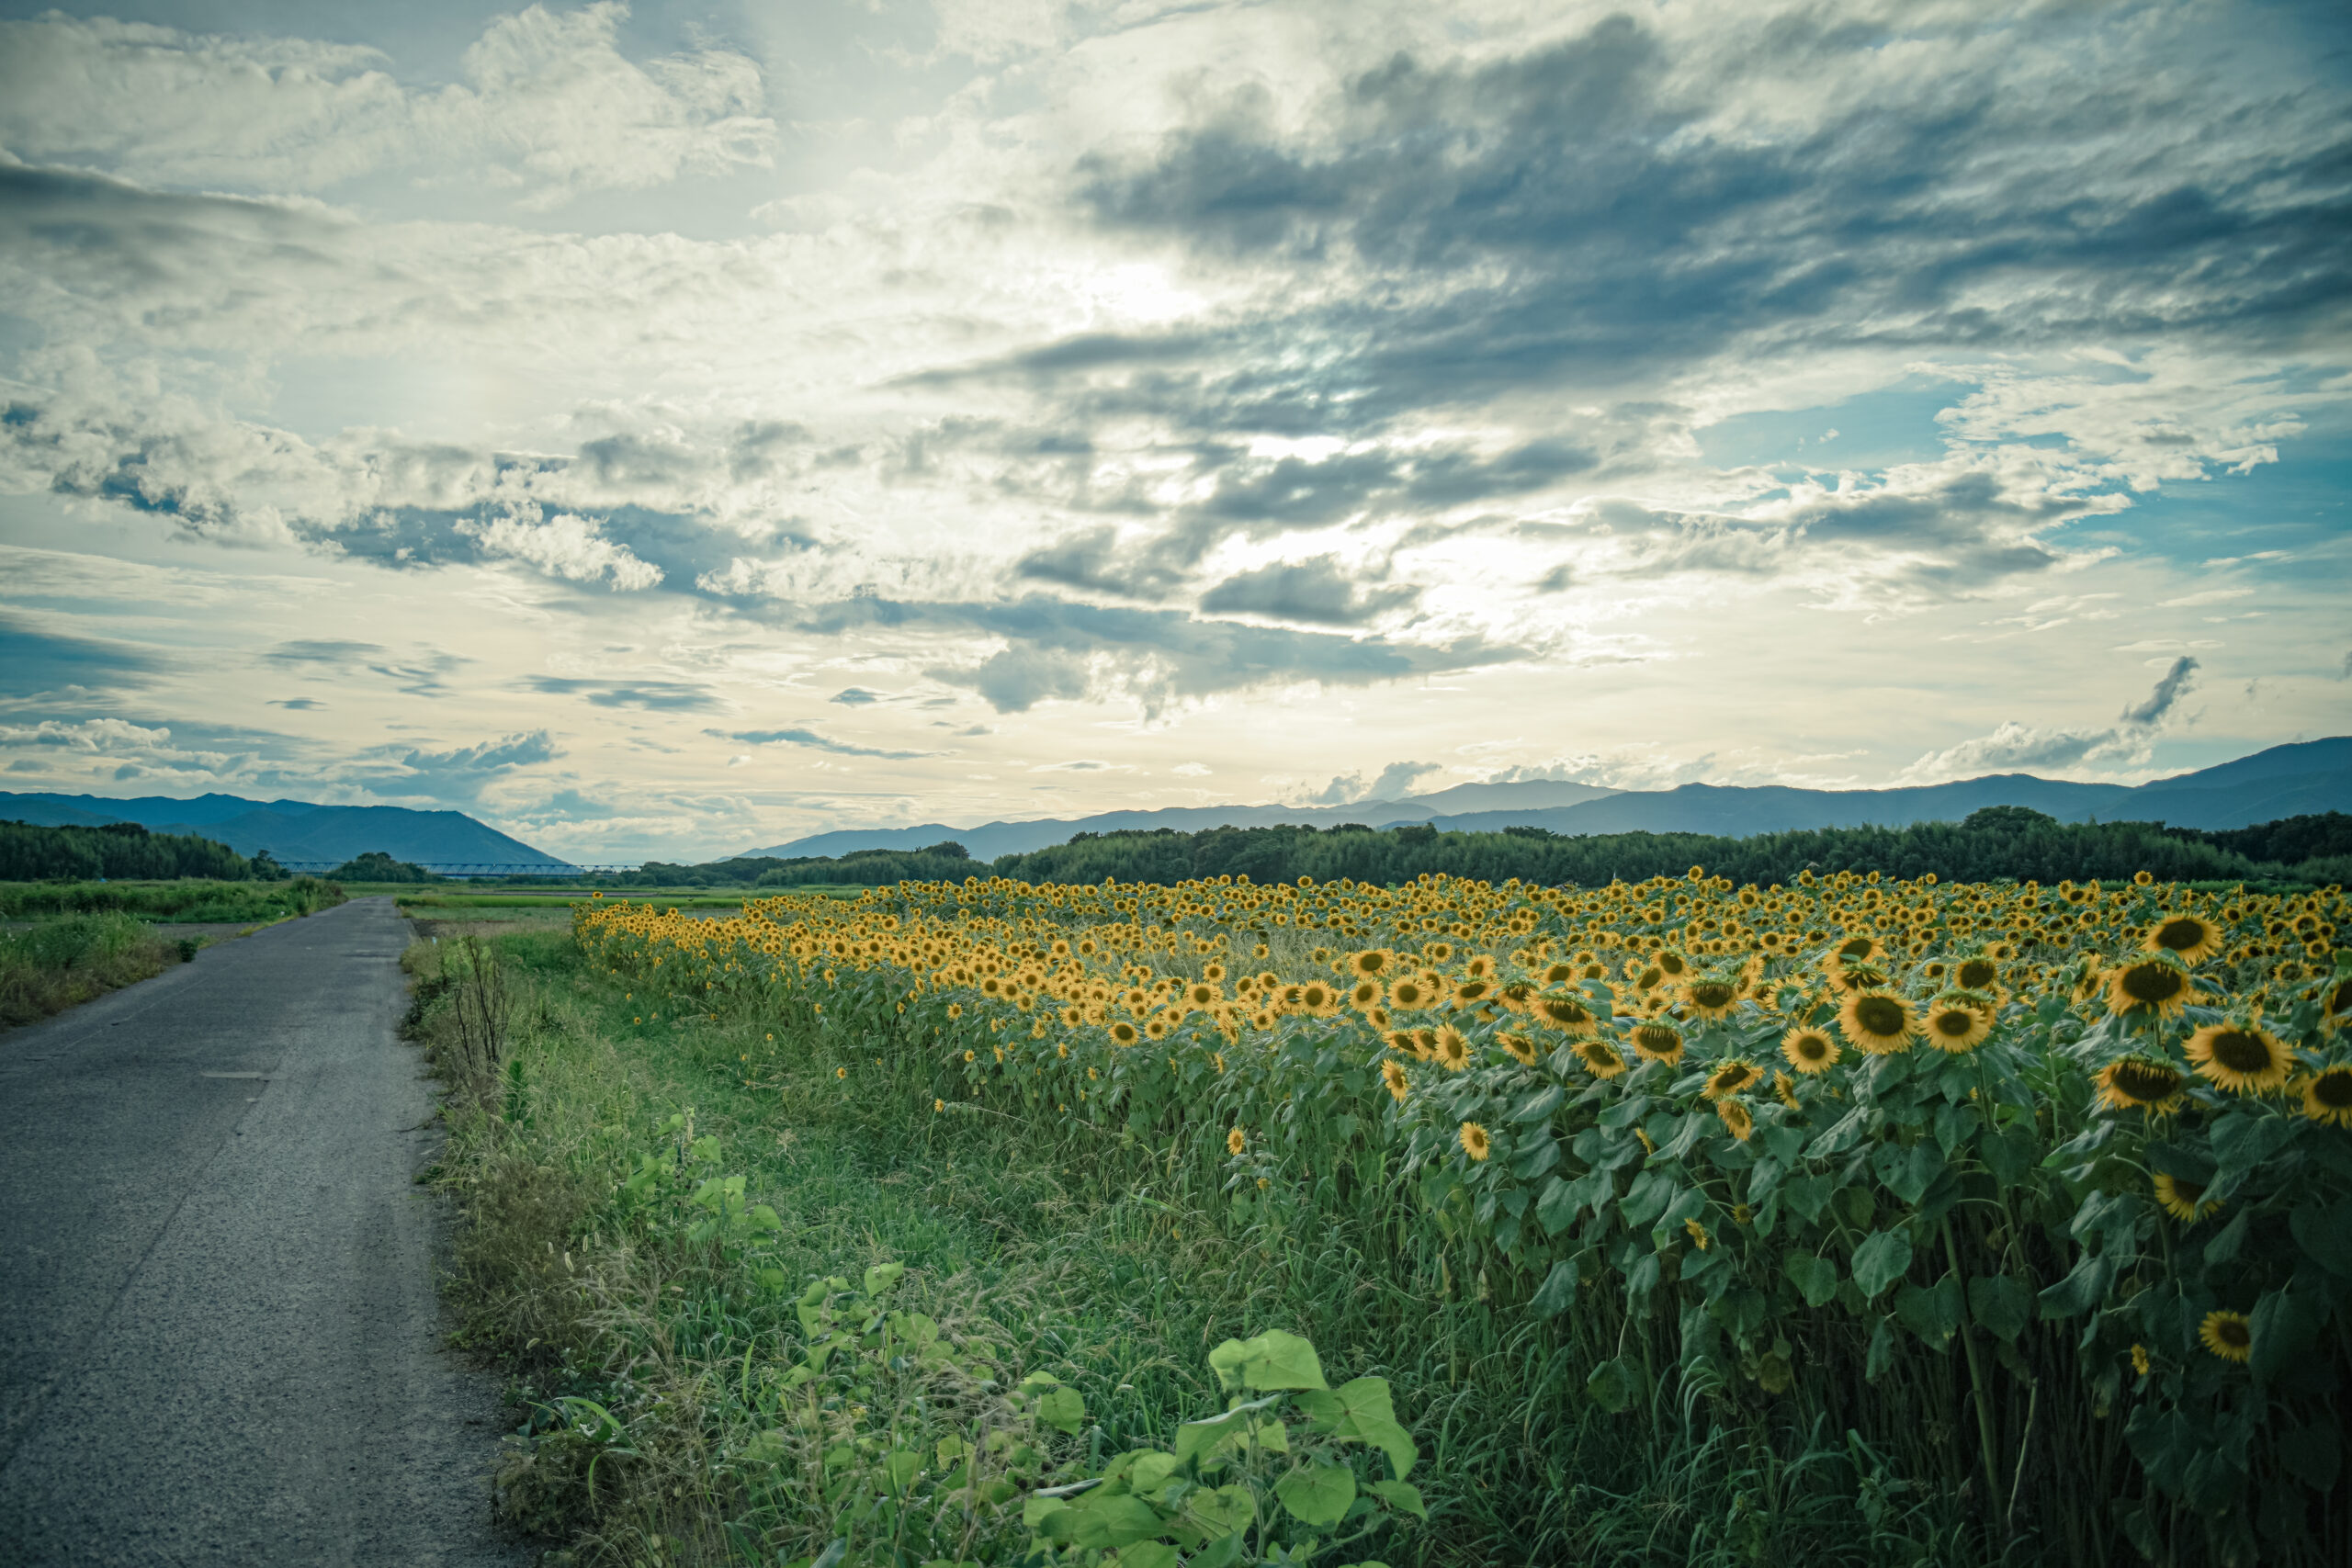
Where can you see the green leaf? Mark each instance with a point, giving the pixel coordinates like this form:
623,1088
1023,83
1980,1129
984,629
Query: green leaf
1610,1386
1880,1261
1221,1512
1272,1360
882,1276
1540,1104
1815,1278
1318,1495
1103,1523
1932,1314
2245,1140
2285,1325
2001,1306
2324,1234
1842,1136
2008,1153
1201,1438
1362,1411
1062,1408
2224,1246
1403,1497
1880,1354
1557,1208
1650,1193
1807,1195
1148,1555
1558,1290
2080,1290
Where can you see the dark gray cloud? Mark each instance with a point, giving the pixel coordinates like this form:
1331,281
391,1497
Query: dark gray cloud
813,740
34,662
660,696
300,704
1156,657
2169,690
1316,590
462,773
323,652
856,697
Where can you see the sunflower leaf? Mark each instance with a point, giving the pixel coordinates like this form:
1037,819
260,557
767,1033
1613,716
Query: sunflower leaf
2243,1141
1558,1290
2001,1306
2080,1290
1880,1261
1815,1277
1318,1495
1610,1386
2325,1233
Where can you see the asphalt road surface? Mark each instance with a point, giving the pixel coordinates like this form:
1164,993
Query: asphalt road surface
219,1333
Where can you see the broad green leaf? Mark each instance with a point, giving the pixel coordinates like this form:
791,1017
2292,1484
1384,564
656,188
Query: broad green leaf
882,1276
1932,1314
1201,1438
1540,1104
1273,1359
2285,1324
1150,1472
1842,1136
1558,1290
1815,1278
2245,1140
1880,1261
1101,1523
1062,1408
1221,1512
2001,1306
1610,1386
2324,1233
1361,1410
1148,1555
1037,1510
1651,1192
1880,1354
1318,1495
1557,1208
1403,1497
2080,1290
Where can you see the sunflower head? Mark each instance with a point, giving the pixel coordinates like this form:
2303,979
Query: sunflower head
1878,1022
1658,1040
1711,997
1675,966
1736,1118
2190,937
1408,995
1975,973
2227,1334
1453,1050
2183,1199
1236,1141
1600,1058
2240,1056
2153,987
1522,1048
2140,1083
1958,1021
1809,1050
1732,1076
1371,964
1393,1074
1365,995
1572,1013
2327,1095
1124,1034
1474,1141
1469,993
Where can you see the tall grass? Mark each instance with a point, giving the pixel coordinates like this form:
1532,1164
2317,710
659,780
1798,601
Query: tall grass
187,900
67,960
1115,1272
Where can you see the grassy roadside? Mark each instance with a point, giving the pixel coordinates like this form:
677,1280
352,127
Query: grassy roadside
67,960
648,1358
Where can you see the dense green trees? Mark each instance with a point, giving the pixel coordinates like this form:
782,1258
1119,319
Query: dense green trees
377,866
116,852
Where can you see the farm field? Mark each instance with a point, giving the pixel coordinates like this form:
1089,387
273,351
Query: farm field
1868,1221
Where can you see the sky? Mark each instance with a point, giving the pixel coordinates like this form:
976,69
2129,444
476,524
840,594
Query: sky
674,429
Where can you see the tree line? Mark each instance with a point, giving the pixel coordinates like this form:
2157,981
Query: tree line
1992,844
121,851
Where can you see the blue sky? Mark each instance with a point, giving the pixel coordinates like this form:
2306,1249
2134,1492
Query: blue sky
669,429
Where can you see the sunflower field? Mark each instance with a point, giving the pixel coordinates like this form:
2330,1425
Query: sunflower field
2045,1192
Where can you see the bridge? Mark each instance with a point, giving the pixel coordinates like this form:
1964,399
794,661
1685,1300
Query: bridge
472,868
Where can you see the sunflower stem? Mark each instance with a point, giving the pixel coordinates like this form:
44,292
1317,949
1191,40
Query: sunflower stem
1976,1382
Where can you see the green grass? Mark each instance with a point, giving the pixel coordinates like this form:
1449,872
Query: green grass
65,960
1097,1272
191,900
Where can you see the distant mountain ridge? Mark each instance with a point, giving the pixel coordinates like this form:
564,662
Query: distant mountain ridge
2299,779
292,830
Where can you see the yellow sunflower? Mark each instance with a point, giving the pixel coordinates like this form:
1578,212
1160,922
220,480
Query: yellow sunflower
1809,1050
2189,937
2243,1059
2327,1095
1371,964
1392,1073
1658,1040
1124,1034
1878,1022
1737,1118
1365,995
2183,1199
1236,1141
2227,1334
2140,1083
1474,1142
1976,973
1571,1013
1731,1076
1711,997
1600,1058
1453,1050
1408,995
1959,1021
2152,986
1519,1046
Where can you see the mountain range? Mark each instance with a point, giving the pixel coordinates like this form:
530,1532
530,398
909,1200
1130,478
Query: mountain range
2301,779
295,831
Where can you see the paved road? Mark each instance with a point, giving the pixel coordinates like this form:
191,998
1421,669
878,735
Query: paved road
218,1335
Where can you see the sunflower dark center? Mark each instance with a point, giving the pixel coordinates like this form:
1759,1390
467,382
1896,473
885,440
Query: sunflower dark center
2189,1191
1955,1022
2240,1052
2334,1088
1879,1015
1813,1047
1712,994
1857,948
2152,983
2234,1334
2180,935
2145,1082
